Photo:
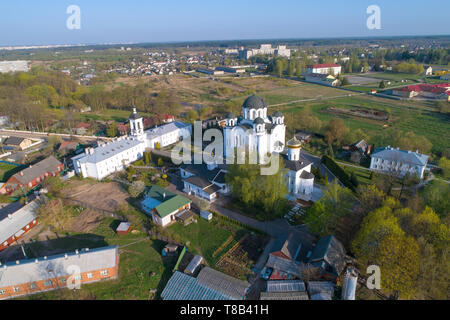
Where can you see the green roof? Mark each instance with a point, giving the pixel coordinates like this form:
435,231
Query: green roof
170,201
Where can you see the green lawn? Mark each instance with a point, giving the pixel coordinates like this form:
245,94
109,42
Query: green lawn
419,118
139,257
7,170
205,237
137,262
362,174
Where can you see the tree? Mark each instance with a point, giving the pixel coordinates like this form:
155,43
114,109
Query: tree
56,215
130,173
382,85
136,188
256,192
160,162
354,179
204,205
435,195
444,164
399,259
335,131
371,197
323,217
157,146
147,157
112,131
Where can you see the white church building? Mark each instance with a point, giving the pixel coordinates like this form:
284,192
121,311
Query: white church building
255,130
116,155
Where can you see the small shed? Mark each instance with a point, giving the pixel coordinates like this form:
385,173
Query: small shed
193,265
206,215
123,228
169,250
186,217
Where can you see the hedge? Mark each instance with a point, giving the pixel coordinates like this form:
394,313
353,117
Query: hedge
338,172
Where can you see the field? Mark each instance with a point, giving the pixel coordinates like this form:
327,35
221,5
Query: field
421,119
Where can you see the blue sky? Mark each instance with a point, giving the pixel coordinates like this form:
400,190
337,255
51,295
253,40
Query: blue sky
26,22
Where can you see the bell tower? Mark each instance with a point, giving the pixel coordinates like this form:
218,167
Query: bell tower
136,125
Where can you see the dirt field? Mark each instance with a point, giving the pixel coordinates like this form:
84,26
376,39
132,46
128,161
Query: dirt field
106,196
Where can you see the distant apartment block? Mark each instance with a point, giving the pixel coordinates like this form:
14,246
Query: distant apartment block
13,66
26,277
266,49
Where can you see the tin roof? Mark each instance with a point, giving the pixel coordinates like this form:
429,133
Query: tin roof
285,286
392,154
294,295
184,287
166,128
49,164
21,215
44,268
109,150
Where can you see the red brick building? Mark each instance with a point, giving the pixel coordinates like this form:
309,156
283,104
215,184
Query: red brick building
16,219
26,277
33,175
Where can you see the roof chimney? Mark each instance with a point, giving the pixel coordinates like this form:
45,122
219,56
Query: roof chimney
10,216
45,258
65,256
36,261
17,262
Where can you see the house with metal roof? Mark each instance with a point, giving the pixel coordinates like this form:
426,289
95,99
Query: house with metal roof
205,181
33,175
16,219
163,205
398,162
210,284
17,142
25,277
328,257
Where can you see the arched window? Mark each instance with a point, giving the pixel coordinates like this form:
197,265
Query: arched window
253,115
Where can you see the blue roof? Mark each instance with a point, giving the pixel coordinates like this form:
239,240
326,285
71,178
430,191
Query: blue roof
184,287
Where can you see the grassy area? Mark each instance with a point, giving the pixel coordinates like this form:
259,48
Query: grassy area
7,170
205,237
421,119
362,174
141,266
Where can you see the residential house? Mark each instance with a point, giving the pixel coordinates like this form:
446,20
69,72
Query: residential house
18,143
204,181
68,146
398,162
16,219
82,128
328,258
33,175
163,205
26,277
